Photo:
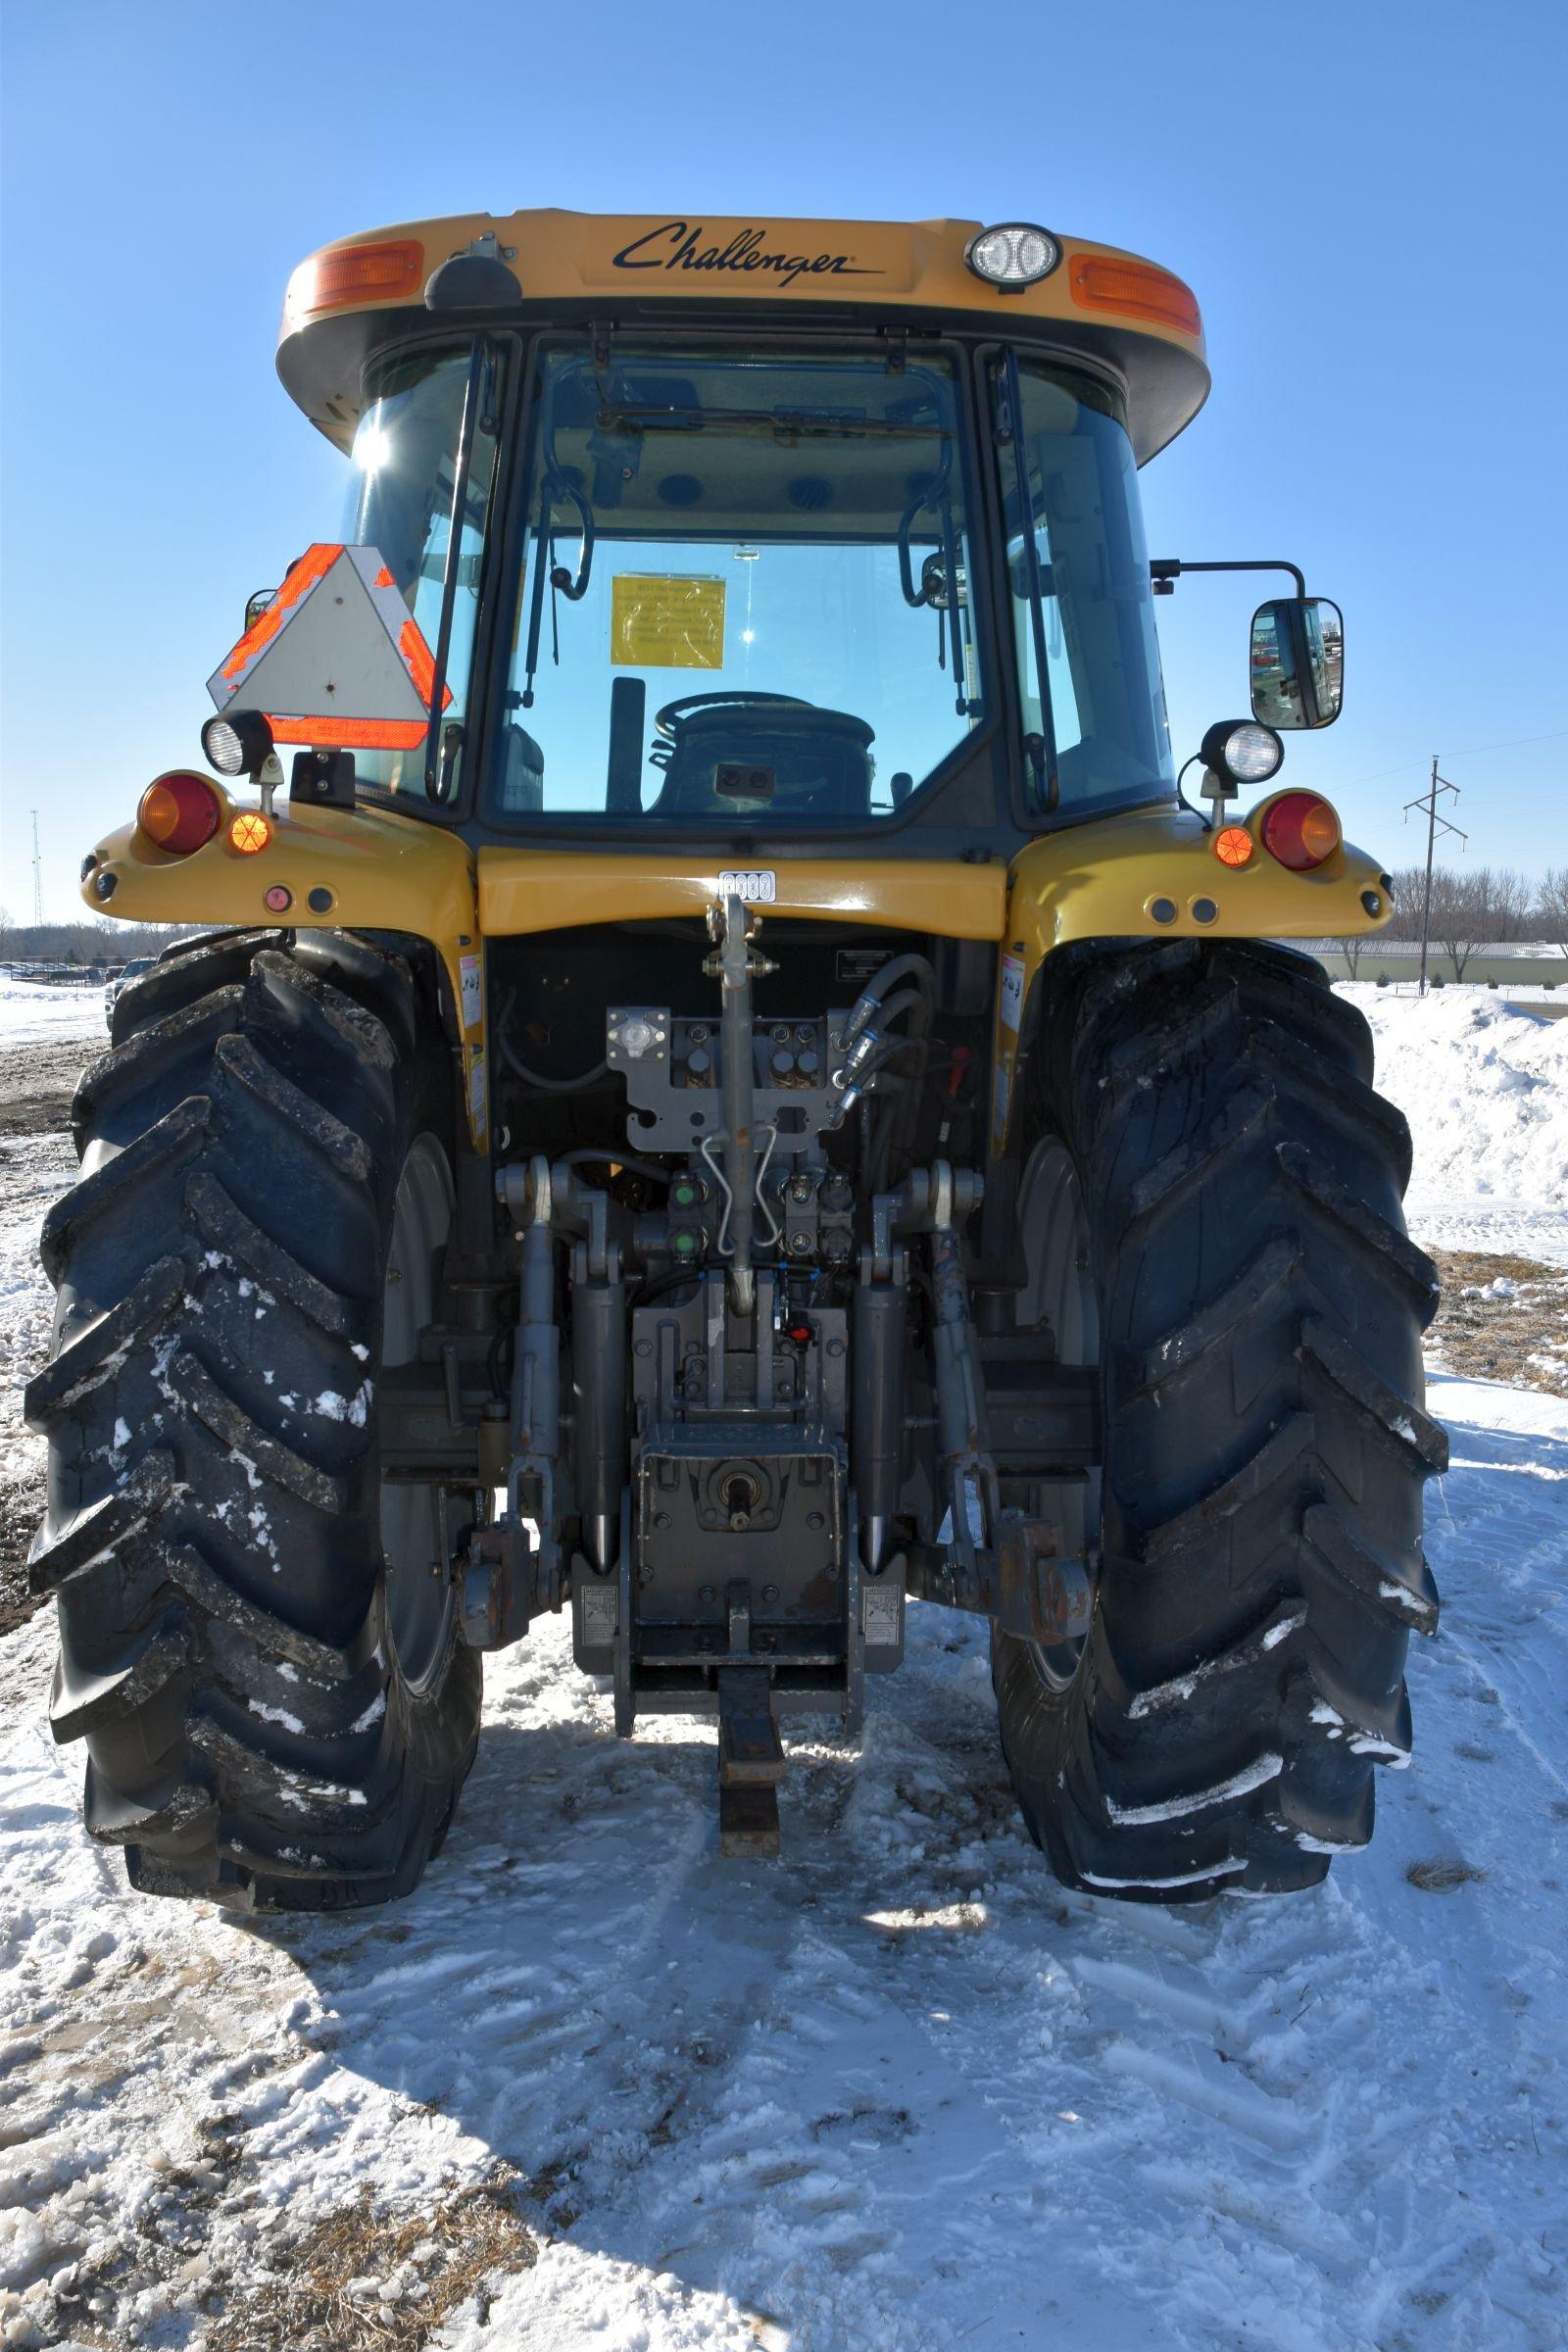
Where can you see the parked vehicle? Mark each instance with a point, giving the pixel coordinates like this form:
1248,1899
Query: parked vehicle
137,966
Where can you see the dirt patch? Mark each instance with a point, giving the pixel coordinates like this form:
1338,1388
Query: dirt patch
363,2282
1439,1876
37,1082
1501,1318
21,1509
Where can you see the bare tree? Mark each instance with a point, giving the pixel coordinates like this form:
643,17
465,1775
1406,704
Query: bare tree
1550,918
1352,946
1505,903
1409,887
1458,915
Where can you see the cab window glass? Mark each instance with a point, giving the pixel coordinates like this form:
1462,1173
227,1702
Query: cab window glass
1069,484
746,587
406,463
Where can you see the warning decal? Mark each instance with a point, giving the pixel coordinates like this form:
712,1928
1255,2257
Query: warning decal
666,620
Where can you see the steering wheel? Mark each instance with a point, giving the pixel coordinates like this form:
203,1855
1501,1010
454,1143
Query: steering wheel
669,718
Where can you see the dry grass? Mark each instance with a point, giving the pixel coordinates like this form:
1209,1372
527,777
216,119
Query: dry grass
1520,1337
1441,1876
325,2298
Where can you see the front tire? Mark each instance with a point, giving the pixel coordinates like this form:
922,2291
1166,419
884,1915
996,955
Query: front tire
275,1711
1211,1212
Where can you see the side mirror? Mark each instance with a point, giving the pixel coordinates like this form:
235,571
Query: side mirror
1298,662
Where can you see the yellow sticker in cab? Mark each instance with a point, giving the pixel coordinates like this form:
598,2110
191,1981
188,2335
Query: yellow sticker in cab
666,620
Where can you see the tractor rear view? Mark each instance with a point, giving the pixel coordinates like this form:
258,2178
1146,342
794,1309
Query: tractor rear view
726,1155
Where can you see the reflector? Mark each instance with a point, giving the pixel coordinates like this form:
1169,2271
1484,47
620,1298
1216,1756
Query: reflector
249,832
1233,844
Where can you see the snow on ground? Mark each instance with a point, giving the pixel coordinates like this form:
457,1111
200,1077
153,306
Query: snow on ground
897,2090
30,1010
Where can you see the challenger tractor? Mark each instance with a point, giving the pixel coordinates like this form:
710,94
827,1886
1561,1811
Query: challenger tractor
728,1080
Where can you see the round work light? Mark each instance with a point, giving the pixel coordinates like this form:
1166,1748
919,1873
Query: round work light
1242,750
239,743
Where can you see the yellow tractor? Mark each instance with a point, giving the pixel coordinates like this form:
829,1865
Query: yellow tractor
728,1087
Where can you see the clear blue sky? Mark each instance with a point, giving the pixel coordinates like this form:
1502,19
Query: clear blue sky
1367,198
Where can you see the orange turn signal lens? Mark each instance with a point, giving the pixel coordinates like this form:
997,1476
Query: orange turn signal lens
1101,281
357,273
1233,844
1301,831
249,832
179,813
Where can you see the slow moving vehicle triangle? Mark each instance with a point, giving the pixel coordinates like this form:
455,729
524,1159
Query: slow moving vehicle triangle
337,659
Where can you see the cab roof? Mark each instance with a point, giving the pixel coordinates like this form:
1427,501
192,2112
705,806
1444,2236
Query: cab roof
629,270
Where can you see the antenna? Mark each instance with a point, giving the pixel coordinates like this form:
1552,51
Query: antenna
1436,824
37,874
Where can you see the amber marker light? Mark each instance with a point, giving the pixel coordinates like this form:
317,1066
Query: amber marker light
179,813
357,273
249,832
1233,844
1102,281
1301,831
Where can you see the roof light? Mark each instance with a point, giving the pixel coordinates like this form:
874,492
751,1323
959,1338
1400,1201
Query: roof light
179,812
1239,748
1301,831
1014,255
238,744
357,273
249,832
1101,281
1233,844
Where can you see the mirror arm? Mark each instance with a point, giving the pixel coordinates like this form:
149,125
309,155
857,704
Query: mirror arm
1166,570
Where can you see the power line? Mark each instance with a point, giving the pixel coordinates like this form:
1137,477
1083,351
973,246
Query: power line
1472,752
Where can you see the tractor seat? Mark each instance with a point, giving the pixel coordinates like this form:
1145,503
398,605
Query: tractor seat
819,760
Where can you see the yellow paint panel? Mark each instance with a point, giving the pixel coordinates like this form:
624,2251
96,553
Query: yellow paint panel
547,890
368,870
1104,880
666,620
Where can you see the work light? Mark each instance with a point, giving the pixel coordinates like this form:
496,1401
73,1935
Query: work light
237,744
1242,750
1014,255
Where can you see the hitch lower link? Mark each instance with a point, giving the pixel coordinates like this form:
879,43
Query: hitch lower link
996,1562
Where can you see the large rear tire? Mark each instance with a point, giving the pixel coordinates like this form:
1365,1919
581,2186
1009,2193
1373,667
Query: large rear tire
1210,1212
257,1643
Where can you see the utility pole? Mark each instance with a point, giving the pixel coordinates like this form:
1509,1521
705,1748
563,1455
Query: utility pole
1436,824
37,875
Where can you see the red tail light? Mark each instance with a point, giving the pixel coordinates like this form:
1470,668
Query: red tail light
179,812
1301,831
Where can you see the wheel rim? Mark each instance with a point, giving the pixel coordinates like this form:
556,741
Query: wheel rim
1060,1290
418,1594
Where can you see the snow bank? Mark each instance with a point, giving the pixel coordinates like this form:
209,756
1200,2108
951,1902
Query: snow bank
31,1011
1484,1083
